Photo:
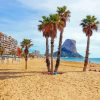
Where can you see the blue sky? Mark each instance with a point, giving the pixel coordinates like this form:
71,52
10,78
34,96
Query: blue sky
19,19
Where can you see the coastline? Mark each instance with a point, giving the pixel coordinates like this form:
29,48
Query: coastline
75,59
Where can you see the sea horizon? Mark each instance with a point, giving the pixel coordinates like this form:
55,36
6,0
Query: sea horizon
75,59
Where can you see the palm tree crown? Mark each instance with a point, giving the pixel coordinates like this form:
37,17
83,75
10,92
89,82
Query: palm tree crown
44,26
26,43
89,24
64,14
49,25
54,22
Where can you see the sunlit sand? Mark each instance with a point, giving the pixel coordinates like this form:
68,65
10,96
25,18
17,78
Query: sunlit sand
35,84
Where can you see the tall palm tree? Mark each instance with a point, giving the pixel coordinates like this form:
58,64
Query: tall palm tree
54,20
89,24
64,14
26,44
44,27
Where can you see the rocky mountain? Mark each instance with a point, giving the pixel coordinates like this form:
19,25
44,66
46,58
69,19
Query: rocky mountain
69,49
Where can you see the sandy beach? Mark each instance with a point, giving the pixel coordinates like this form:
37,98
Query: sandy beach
35,84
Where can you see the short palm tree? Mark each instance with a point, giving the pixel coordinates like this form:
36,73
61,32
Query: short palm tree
44,27
64,15
26,44
89,24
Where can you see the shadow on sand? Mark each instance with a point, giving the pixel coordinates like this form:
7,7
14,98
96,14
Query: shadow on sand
14,73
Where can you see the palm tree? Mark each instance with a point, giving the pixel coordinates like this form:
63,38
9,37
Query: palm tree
54,20
64,14
26,44
44,27
89,24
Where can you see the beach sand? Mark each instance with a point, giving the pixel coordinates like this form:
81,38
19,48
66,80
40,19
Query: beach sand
35,84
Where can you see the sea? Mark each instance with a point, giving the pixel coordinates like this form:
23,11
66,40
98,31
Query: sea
91,60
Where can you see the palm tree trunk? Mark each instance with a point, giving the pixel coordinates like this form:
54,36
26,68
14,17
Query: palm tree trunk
52,47
47,55
26,53
26,62
59,52
87,53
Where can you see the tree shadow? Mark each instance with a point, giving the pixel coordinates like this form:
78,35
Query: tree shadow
4,74
7,77
13,73
6,69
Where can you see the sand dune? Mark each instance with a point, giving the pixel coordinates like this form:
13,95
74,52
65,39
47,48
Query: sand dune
35,84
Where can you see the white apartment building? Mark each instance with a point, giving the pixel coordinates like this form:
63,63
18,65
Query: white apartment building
8,43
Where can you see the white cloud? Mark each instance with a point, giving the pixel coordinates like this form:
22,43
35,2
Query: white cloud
86,5
81,6
45,5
